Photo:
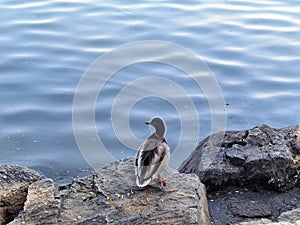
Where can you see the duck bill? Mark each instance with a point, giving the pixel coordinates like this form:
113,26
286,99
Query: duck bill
147,122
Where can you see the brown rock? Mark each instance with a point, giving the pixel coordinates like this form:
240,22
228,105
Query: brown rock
112,197
14,182
41,207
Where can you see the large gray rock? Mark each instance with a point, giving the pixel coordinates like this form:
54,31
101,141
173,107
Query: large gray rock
262,157
111,197
249,174
14,183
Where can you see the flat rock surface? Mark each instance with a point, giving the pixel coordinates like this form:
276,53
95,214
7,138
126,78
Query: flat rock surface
110,196
249,174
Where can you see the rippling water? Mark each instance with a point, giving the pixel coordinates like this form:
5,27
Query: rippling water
252,48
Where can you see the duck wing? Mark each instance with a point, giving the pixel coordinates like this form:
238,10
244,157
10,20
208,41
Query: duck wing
149,158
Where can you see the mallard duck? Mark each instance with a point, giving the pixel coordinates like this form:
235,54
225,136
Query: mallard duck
153,156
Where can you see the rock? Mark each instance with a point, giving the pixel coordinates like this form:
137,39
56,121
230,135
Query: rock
14,182
237,205
287,218
183,201
110,196
41,207
249,174
262,157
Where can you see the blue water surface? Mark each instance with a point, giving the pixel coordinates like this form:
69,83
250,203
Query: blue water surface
251,47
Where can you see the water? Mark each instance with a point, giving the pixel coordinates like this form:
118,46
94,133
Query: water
252,48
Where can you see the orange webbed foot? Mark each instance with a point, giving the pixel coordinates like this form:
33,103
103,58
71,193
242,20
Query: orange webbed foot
163,182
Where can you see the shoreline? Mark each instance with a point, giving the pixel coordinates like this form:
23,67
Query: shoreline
252,179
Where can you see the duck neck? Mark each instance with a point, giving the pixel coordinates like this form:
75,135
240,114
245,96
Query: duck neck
155,136
159,133
160,130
